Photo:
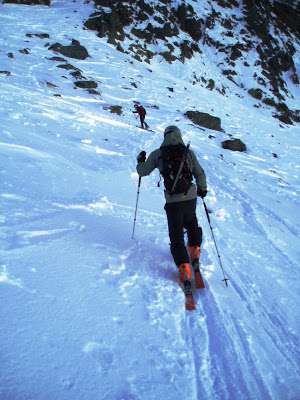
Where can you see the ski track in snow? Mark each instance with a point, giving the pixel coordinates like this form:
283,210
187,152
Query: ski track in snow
90,313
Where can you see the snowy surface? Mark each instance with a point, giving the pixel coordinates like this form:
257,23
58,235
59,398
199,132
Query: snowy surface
86,312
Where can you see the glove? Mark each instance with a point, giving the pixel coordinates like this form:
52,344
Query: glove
141,157
201,193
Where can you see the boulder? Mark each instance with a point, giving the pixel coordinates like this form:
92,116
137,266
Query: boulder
60,59
111,23
269,102
51,85
211,84
78,75
205,120
256,93
86,84
194,28
68,67
234,145
116,110
38,35
168,56
186,50
93,91
75,50
6,73
289,116
24,51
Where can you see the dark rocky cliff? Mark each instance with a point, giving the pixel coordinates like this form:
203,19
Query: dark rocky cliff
263,33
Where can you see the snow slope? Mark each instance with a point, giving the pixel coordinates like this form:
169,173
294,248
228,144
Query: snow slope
88,313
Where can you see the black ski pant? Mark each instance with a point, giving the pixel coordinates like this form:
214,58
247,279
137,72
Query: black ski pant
182,215
142,119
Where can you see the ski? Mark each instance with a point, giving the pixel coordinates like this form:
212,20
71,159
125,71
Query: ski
190,304
185,282
188,284
199,282
145,129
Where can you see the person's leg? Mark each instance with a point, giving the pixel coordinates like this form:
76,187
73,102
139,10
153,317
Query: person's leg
175,215
175,218
194,232
194,240
145,123
142,121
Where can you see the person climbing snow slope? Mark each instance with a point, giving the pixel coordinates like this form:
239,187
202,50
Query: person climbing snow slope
140,110
178,165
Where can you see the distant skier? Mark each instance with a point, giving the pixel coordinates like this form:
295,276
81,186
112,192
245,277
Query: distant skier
140,110
181,197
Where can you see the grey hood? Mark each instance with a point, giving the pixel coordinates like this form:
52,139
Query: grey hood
172,136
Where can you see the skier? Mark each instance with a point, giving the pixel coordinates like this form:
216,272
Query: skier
181,201
140,110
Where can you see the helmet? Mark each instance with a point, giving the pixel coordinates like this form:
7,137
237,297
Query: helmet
170,129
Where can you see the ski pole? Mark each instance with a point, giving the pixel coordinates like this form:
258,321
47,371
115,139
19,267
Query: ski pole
213,236
136,206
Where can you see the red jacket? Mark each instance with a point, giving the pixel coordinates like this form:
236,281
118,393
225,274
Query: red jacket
140,110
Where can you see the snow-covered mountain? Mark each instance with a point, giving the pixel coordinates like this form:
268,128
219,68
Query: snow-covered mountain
88,313
252,44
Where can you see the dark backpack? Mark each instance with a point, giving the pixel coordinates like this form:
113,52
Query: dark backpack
172,157
141,110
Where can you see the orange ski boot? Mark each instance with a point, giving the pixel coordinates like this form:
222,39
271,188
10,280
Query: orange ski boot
189,298
185,276
194,252
185,272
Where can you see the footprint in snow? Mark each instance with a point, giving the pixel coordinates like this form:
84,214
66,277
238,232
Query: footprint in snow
102,354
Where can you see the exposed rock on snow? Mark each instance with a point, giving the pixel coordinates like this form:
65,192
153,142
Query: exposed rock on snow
86,84
51,85
167,24
288,116
116,110
75,50
234,145
205,120
88,312
68,67
236,32
24,51
7,73
38,35
256,93
55,58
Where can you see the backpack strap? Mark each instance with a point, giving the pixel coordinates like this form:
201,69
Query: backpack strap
184,157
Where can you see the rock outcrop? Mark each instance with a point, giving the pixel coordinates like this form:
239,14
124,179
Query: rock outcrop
74,50
205,120
234,145
260,45
124,18
86,84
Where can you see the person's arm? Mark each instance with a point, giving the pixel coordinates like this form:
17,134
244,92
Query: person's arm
146,167
198,173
